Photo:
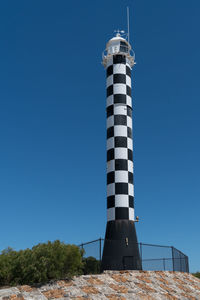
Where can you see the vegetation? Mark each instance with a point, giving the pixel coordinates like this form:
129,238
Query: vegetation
197,274
44,262
91,265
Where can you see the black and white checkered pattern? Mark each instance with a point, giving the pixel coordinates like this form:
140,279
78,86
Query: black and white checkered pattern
120,188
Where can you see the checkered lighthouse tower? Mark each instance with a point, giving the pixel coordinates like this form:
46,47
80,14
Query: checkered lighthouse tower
120,246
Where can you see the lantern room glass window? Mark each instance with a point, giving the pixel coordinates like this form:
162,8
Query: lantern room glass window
123,47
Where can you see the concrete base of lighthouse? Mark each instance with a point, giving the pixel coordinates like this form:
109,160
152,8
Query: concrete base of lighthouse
121,250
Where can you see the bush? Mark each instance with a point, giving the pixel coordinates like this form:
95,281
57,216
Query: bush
197,274
44,262
91,265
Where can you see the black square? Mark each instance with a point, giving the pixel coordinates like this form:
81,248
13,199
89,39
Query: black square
131,201
128,90
119,59
129,132
110,132
129,111
120,98
130,177
120,142
109,70
121,213
121,188
128,71
119,78
120,120
130,154
121,164
110,111
110,201
110,154
110,90
110,177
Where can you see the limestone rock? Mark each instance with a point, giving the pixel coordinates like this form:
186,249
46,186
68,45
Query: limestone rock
113,285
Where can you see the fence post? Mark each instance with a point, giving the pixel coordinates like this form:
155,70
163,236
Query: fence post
100,250
180,263
164,263
141,254
173,258
187,264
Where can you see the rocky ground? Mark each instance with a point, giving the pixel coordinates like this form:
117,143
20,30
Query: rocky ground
113,285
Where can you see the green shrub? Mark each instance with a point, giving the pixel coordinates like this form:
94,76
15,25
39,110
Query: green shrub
91,265
44,262
197,274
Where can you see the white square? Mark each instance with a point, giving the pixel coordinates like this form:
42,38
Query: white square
110,189
110,143
121,176
120,109
119,69
130,143
129,122
131,189
130,166
109,80
128,64
110,166
121,153
111,214
131,214
121,201
110,121
119,88
109,100
128,101
128,80
120,130
109,62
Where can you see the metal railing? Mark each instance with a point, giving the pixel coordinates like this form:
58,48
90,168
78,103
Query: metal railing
153,257
130,55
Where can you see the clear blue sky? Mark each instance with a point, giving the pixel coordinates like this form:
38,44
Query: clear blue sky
52,120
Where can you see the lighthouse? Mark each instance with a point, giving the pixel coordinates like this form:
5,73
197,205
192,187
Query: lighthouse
120,246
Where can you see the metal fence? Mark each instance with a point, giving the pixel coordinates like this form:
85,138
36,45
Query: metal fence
153,257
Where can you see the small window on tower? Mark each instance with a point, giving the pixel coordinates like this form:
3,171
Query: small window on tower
123,47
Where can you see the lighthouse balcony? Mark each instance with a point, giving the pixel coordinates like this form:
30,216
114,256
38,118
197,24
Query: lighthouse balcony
121,50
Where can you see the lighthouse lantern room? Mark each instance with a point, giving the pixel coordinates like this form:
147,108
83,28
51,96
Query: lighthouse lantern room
118,45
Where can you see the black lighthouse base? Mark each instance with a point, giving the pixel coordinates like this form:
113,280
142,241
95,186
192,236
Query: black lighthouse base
121,250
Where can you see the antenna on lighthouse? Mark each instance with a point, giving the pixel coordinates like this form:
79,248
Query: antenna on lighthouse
128,24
